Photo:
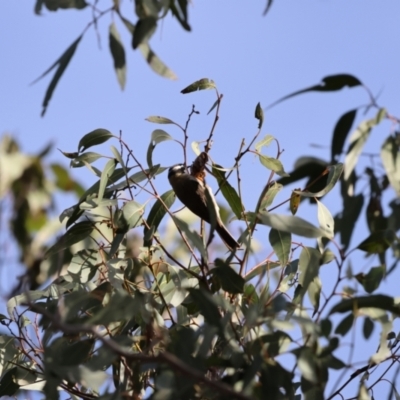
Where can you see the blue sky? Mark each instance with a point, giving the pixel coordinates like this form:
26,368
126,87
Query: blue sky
250,57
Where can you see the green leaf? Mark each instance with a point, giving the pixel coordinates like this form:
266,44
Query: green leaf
259,114
265,142
375,301
202,84
193,236
105,176
378,242
326,222
291,224
335,171
228,191
368,327
358,140
345,325
390,156
65,4
160,120
151,58
179,11
157,137
8,387
230,280
98,136
207,306
81,160
133,212
118,55
144,30
155,62
157,213
330,83
314,293
281,243
309,264
78,232
62,64
372,279
268,195
273,164
340,133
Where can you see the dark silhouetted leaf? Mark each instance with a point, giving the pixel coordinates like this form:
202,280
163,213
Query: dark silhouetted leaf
372,279
376,301
98,136
259,114
330,83
340,133
54,5
230,280
368,327
8,387
228,191
144,29
268,6
378,242
157,213
335,171
62,64
345,325
179,10
118,55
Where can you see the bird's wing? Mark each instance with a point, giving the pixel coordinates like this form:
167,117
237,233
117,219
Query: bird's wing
195,203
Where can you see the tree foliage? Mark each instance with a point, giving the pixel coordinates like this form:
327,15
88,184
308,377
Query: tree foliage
130,301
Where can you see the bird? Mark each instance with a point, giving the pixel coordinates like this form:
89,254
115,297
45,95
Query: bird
191,191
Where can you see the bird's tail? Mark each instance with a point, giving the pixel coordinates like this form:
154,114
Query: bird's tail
226,237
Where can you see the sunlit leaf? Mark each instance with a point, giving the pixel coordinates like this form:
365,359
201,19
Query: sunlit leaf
390,156
326,222
157,136
294,201
89,157
201,84
159,120
291,224
273,164
265,142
